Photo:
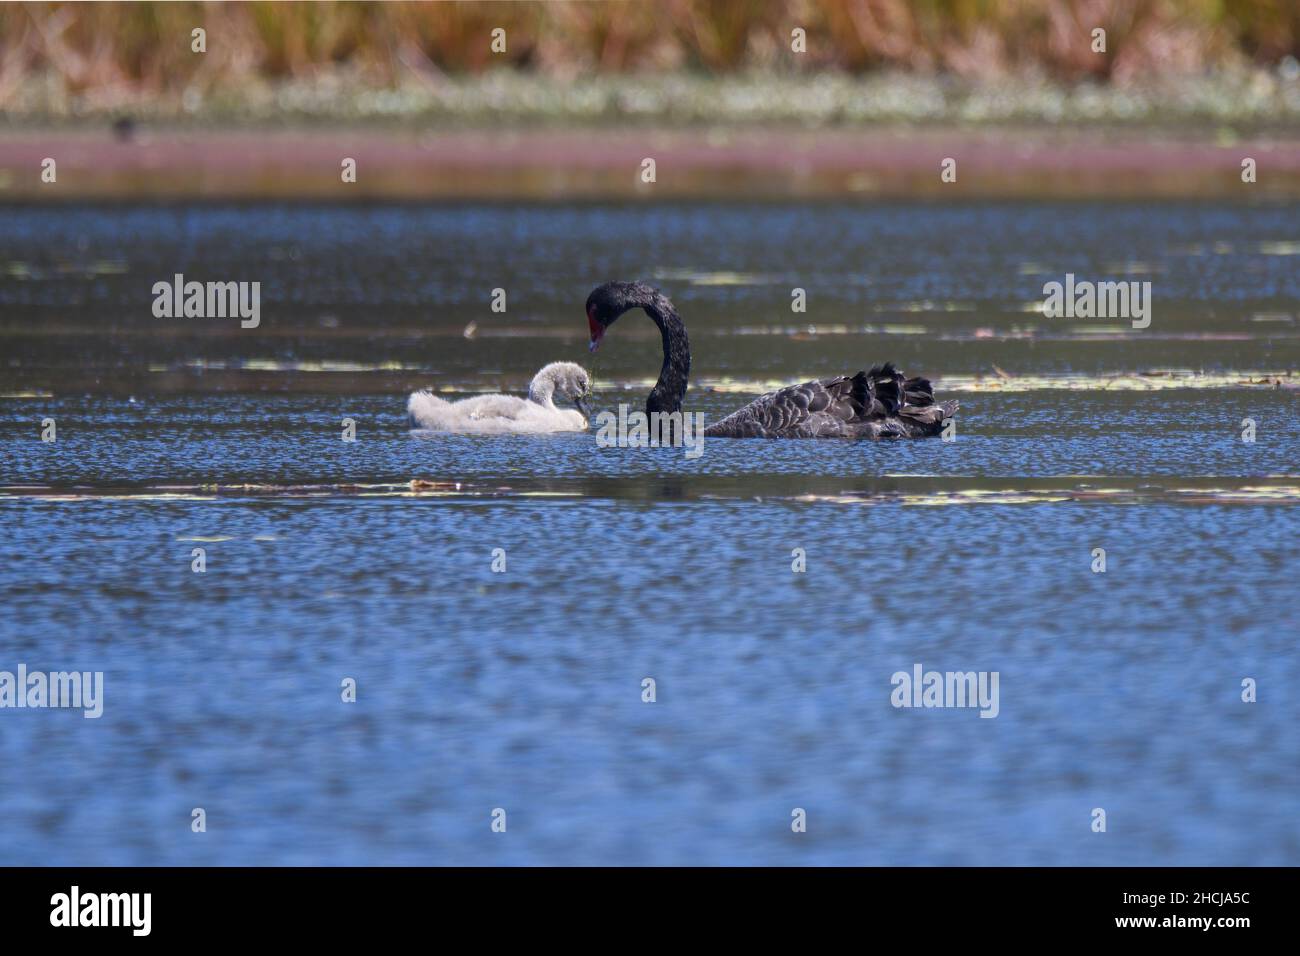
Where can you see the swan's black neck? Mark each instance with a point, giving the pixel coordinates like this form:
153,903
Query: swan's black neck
669,391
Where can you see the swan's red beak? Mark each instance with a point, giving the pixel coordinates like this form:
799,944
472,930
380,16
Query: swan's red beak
597,333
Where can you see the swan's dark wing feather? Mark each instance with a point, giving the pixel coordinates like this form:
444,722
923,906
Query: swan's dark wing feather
807,410
918,391
878,403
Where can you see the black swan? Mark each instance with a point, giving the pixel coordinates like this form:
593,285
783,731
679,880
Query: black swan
880,403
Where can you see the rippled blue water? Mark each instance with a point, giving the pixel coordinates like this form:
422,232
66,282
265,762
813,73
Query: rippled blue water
523,690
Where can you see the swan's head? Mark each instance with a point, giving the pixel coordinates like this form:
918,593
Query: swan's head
607,302
567,379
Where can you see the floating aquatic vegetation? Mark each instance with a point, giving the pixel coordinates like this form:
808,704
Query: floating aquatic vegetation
713,278
894,488
1151,380
1001,381
274,365
1269,494
1280,248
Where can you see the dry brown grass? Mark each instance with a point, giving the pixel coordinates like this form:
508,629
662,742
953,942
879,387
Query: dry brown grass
96,50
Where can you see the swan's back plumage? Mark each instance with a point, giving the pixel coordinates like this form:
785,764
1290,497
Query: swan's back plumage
506,414
880,403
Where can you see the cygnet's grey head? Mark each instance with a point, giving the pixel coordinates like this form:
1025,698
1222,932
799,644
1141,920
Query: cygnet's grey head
567,379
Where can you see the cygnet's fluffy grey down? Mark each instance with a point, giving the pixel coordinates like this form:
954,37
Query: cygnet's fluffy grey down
508,414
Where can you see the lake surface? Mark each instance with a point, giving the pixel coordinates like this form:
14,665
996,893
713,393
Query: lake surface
522,690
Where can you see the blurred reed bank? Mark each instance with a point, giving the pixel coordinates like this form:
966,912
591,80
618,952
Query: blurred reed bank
788,98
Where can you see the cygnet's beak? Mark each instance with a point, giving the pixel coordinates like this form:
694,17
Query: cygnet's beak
581,404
